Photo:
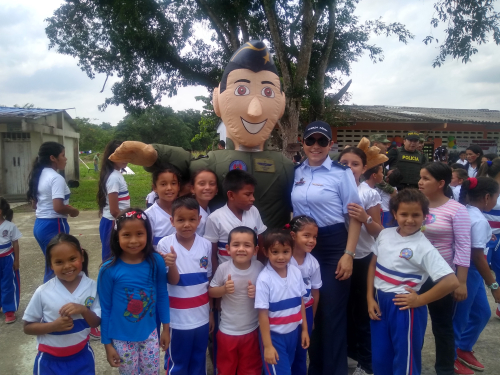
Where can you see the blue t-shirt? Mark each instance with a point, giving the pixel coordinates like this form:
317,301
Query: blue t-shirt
129,299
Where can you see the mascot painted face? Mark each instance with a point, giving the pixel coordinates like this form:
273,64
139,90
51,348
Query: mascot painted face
249,98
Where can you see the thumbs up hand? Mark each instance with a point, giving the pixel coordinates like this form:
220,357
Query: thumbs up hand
170,258
229,285
251,289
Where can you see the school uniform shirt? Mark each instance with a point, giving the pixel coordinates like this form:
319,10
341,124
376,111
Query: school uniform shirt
160,223
222,221
447,227
480,229
200,231
8,234
463,162
282,297
130,299
493,218
51,185
406,262
189,307
471,171
116,184
370,198
151,197
324,192
456,192
45,305
239,316
311,275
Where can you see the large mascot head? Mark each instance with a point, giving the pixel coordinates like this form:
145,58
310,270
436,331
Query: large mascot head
249,98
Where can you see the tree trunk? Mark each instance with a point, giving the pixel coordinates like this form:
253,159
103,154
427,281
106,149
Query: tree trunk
289,124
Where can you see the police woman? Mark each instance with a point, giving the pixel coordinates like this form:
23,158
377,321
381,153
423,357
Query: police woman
49,194
322,189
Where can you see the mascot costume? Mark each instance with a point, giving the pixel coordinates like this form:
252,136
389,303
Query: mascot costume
250,101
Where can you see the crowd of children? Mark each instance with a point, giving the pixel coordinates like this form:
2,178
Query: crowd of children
176,273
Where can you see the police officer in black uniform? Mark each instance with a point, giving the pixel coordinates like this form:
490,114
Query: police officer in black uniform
408,160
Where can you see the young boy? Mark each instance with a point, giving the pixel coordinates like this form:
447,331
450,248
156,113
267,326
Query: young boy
234,281
239,186
188,260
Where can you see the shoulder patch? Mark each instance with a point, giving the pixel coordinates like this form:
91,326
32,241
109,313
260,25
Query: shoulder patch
335,163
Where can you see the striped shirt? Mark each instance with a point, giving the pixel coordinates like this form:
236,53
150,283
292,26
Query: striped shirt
160,223
116,184
493,218
447,227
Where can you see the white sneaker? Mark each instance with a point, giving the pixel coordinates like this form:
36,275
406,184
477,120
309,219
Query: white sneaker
351,363
359,371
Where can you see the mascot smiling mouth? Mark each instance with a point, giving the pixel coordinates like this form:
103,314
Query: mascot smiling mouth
253,127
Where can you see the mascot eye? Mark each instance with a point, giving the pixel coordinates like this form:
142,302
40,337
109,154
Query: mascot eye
268,92
241,90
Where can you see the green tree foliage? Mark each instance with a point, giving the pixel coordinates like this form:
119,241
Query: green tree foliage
93,136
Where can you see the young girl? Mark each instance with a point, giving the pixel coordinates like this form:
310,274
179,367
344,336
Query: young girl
204,188
112,196
459,175
492,169
132,285
472,315
304,231
62,311
49,194
278,298
9,263
367,162
402,261
166,184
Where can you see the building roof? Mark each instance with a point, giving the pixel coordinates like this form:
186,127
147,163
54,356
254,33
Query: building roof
31,113
385,113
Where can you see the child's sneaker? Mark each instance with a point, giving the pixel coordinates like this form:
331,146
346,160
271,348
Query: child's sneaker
95,333
359,371
461,369
497,314
10,317
468,359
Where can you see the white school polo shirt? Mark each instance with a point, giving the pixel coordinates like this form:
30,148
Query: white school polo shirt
370,198
160,223
45,305
493,218
282,297
51,185
116,184
480,229
8,234
189,307
222,221
406,261
311,275
200,231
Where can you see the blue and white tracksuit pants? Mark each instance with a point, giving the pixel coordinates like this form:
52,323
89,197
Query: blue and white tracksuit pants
10,288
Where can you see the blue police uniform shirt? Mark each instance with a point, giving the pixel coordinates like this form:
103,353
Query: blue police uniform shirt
324,192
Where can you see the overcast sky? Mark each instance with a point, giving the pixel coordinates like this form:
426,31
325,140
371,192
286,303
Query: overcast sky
30,73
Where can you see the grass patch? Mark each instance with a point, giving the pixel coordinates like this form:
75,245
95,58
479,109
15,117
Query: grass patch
84,197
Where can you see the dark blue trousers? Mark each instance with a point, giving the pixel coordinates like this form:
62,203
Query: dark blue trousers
186,354
44,230
328,350
299,365
105,227
81,363
10,290
285,344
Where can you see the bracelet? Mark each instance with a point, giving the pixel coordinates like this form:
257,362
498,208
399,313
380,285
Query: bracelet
350,253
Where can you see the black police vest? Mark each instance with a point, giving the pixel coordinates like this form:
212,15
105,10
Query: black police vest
409,164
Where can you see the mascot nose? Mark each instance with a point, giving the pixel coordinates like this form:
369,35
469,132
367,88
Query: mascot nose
254,108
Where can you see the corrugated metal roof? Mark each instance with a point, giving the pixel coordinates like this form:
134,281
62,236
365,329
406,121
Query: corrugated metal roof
419,114
27,112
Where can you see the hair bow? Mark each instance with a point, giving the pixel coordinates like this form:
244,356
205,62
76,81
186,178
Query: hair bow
489,162
472,182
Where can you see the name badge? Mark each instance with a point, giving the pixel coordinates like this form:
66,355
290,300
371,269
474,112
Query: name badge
264,165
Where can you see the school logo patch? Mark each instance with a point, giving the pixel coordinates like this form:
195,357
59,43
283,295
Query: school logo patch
300,182
5,233
89,301
430,218
238,164
406,254
204,262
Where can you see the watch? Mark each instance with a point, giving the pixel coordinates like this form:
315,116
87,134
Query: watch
354,255
369,220
493,286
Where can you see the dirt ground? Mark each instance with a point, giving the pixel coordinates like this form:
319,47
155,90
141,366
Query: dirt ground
17,350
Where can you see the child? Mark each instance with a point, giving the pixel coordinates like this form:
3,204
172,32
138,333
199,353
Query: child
62,311
234,281
187,257
459,175
166,184
462,160
281,308
403,260
112,196
472,315
492,169
394,178
132,287
9,263
204,189
239,186
49,194
304,231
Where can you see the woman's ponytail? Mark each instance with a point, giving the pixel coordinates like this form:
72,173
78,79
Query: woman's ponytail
474,189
